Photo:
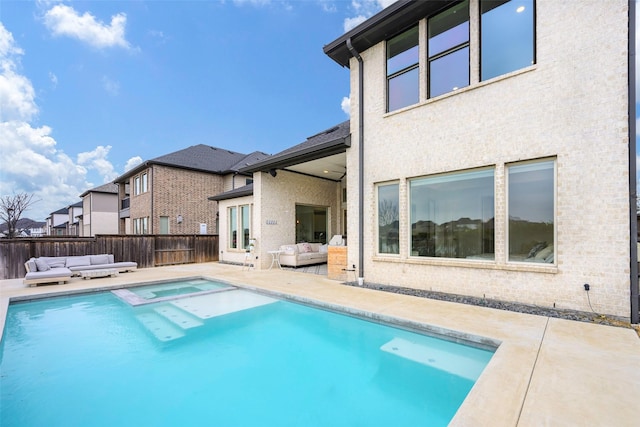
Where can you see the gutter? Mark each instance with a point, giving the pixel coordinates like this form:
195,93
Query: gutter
360,161
633,215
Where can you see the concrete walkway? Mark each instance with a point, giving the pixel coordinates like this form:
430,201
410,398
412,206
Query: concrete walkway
546,371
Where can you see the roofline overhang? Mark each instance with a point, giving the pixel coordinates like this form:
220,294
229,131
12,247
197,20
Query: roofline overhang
308,154
385,24
123,179
231,195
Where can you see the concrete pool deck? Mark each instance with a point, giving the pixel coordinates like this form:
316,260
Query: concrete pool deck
546,371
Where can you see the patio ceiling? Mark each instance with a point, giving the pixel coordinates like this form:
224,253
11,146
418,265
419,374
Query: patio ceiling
331,167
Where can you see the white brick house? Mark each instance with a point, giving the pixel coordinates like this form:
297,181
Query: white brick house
489,155
499,132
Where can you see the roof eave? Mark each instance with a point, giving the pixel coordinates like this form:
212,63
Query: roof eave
383,25
308,154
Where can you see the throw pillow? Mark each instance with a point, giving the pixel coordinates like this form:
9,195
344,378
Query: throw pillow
323,249
306,248
42,265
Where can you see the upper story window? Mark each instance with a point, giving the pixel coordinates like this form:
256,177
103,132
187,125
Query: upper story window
403,84
141,184
449,50
507,36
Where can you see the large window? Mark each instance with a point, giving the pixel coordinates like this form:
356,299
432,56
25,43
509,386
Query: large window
449,50
239,226
388,219
452,215
141,225
532,212
403,86
507,36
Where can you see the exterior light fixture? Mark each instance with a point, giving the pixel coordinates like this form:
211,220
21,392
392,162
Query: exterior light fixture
520,9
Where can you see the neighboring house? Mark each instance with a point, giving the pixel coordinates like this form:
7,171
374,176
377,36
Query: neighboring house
491,163
57,222
168,194
296,196
73,222
25,227
100,210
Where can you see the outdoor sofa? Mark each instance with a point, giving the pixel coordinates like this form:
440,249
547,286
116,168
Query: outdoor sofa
299,254
60,269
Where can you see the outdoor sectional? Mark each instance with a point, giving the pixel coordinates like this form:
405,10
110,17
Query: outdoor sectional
61,269
299,254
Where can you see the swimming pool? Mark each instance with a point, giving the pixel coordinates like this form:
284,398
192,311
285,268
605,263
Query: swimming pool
241,359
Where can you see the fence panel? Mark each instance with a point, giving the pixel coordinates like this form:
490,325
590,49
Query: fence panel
146,250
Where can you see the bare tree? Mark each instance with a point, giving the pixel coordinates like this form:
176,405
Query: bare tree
12,208
387,212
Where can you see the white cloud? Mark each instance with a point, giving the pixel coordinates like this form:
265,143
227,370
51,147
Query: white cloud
63,20
97,160
346,105
31,161
132,163
364,9
111,86
17,97
252,2
54,79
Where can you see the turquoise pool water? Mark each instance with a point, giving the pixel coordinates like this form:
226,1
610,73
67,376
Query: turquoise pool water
231,358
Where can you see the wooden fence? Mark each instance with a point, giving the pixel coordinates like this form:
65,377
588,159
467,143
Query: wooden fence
146,250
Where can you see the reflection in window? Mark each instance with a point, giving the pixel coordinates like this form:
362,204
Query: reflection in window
452,215
233,228
532,212
507,36
388,219
449,50
311,224
403,86
246,226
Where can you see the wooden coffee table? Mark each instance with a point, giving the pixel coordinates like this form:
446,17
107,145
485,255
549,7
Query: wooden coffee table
104,272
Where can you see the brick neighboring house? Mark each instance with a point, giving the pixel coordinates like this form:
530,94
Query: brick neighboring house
168,194
99,211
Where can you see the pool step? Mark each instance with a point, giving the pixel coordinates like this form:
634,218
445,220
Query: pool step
161,327
438,358
178,316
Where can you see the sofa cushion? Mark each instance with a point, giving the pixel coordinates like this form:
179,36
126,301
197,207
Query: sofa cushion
304,248
100,259
77,261
42,265
54,261
289,249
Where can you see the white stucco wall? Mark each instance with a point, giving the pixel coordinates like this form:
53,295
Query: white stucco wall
571,105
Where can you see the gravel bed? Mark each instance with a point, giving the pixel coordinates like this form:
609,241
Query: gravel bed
581,316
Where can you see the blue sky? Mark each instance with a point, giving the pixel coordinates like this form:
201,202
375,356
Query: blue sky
90,89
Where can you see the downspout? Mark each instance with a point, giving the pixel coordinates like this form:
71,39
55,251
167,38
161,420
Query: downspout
633,216
360,161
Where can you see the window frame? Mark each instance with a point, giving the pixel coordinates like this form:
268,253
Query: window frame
378,187
237,219
448,52
480,44
402,71
508,230
451,176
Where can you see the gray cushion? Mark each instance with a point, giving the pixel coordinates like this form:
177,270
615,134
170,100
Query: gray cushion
77,261
100,259
54,261
42,265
